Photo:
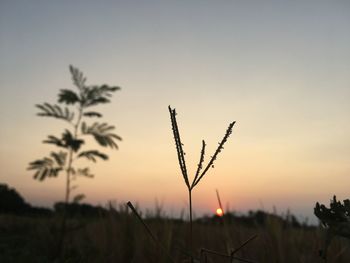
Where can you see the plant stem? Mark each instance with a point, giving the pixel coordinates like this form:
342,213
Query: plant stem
70,160
68,188
69,168
155,239
191,223
59,253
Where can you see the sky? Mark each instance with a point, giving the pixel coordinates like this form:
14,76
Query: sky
280,69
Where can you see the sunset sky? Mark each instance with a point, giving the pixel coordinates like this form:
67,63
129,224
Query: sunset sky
280,69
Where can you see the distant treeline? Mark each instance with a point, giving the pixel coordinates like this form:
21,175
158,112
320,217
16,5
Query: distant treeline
11,202
254,218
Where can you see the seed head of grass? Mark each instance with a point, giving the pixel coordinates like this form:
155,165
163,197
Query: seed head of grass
181,155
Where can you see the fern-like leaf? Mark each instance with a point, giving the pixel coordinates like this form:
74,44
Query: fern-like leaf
47,167
54,140
97,94
67,141
48,110
60,158
91,155
68,97
77,77
84,172
92,114
101,133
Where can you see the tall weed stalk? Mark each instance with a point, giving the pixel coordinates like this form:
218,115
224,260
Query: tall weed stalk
201,169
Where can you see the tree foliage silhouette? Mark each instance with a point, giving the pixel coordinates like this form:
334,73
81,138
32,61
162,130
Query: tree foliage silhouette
74,106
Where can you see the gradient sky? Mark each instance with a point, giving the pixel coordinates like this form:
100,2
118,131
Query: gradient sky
278,68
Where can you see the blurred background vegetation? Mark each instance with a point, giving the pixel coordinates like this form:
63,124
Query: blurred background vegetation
112,234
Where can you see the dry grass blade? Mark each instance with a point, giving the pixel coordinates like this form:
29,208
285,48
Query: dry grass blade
243,244
226,230
219,201
154,238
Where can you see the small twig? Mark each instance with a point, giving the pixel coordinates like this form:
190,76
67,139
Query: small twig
155,239
204,251
244,244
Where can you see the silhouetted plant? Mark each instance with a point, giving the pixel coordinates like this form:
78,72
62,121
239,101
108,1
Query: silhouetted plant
73,107
76,108
200,171
335,219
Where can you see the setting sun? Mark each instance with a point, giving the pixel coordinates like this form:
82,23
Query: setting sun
219,212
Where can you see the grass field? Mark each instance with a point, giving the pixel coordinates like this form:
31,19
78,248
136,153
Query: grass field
117,236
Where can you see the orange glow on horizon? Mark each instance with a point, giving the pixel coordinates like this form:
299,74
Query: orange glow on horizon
219,212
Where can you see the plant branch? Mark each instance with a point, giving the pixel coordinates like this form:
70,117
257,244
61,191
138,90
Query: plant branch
218,150
179,150
243,244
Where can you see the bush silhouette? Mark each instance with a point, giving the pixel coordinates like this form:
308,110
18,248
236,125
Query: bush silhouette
11,201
